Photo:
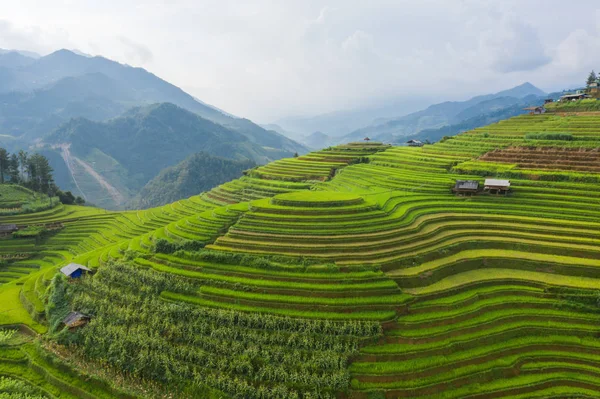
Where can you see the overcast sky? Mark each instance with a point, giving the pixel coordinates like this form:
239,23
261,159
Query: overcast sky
268,59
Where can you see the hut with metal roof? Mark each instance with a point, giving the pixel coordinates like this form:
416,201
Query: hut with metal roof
7,229
466,187
535,110
75,319
74,270
496,186
414,143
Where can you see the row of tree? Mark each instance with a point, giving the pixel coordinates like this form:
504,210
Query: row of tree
34,172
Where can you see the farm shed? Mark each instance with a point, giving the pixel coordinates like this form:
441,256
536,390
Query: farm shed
574,97
76,319
495,186
535,110
465,187
6,229
414,143
74,270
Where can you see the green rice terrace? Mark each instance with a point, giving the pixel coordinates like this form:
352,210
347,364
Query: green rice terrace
350,272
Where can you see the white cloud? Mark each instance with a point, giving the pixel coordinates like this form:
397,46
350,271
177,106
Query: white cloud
264,59
136,52
512,46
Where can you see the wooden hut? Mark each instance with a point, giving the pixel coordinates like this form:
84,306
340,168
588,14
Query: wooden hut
74,270
75,320
535,110
466,187
414,143
496,186
7,229
573,97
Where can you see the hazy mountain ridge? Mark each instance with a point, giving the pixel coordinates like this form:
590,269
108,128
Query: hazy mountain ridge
339,123
105,120
70,80
139,144
446,113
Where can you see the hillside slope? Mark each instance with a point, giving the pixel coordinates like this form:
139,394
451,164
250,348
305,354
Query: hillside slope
352,271
124,153
197,173
38,94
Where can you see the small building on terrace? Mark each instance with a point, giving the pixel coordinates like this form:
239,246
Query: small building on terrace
466,187
574,97
75,319
414,143
74,270
496,186
7,229
535,110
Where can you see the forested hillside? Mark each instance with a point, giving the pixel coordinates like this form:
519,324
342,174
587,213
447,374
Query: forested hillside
110,162
353,271
197,173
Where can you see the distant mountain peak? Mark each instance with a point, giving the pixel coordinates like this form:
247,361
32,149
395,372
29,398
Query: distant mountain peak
63,52
522,90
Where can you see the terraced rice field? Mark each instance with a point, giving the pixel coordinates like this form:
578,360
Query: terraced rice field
584,160
15,199
358,261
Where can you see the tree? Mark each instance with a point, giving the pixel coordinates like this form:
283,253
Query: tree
66,197
4,159
591,78
13,168
79,200
40,174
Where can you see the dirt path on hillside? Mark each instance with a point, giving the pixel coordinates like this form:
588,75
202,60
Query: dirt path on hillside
114,193
65,152
69,159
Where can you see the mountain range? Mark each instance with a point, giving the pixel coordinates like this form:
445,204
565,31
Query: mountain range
128,151
438,116
113,127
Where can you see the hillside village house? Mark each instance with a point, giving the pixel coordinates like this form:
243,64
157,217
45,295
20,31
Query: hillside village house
535,110
579,95
74,270
75,319
7,229
466,187
496,186
414,143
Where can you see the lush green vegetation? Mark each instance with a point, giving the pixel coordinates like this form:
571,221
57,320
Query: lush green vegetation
134,148
586,105
353,270
197,173
549,136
